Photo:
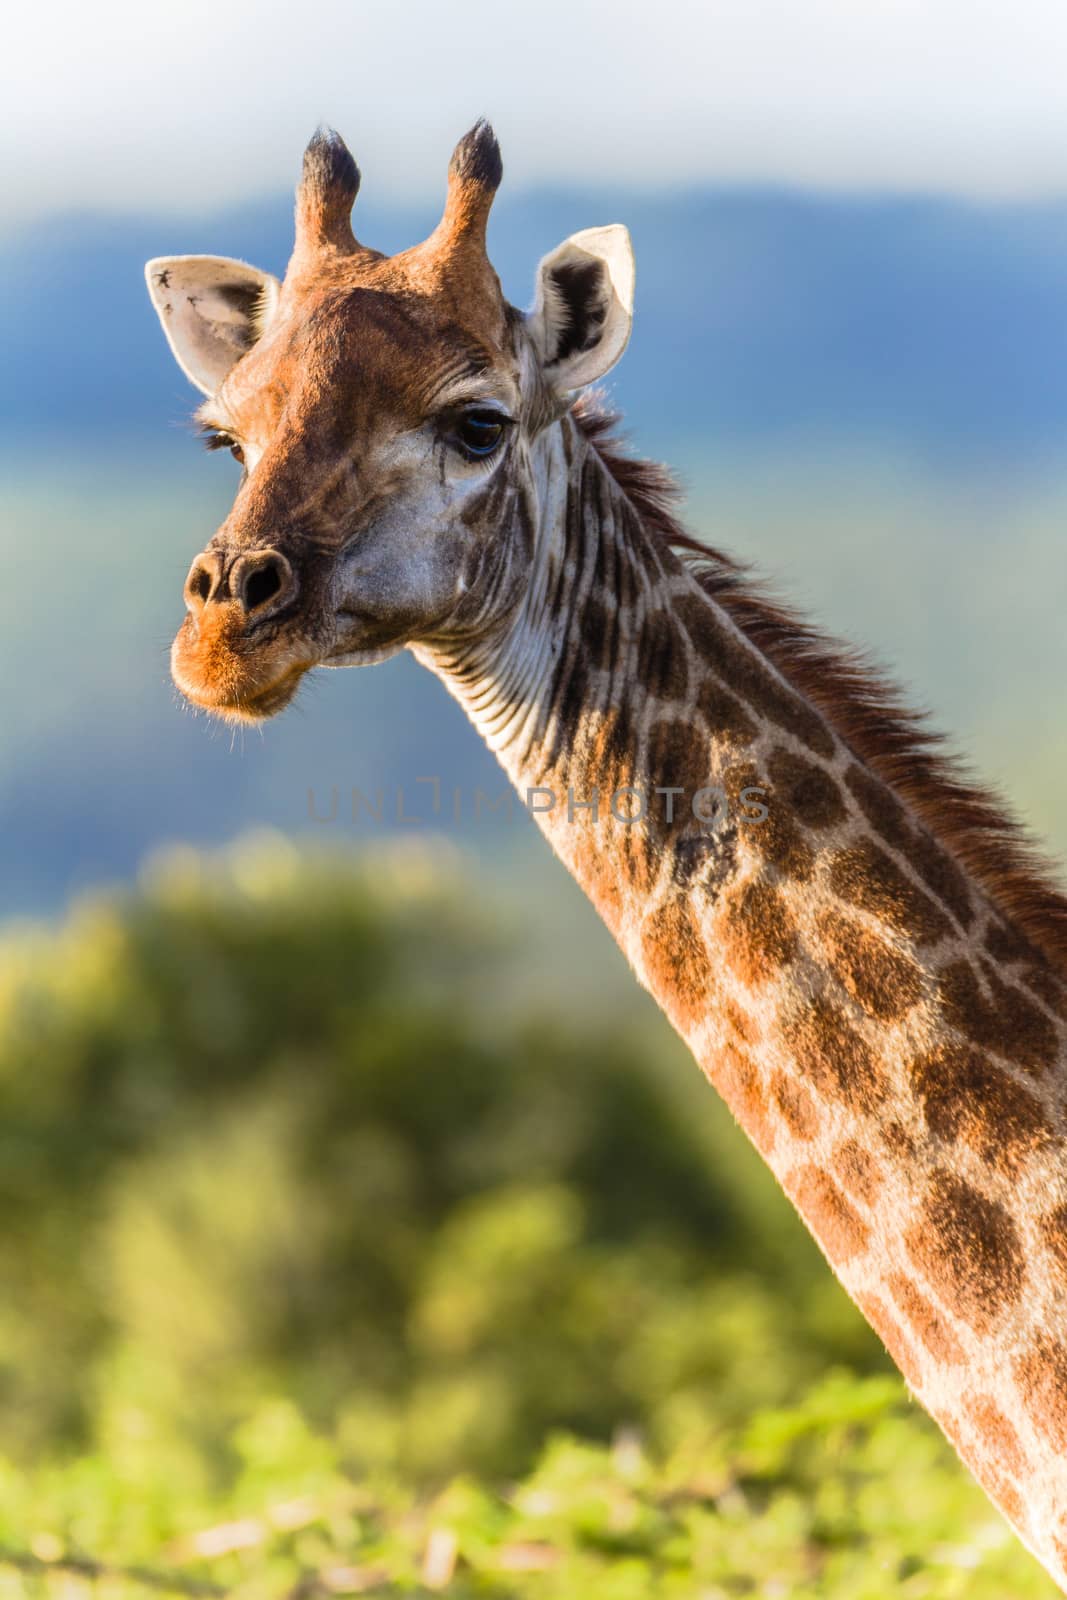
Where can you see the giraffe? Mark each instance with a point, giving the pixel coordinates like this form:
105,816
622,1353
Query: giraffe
863,951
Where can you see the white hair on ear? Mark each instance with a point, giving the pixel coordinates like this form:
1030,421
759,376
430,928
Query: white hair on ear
264,306
583,310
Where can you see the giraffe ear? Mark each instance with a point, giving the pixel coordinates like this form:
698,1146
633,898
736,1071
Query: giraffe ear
583,309
212,310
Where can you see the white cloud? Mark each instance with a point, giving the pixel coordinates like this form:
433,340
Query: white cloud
129,105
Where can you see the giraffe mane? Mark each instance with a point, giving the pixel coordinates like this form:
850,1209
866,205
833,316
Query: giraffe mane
860,701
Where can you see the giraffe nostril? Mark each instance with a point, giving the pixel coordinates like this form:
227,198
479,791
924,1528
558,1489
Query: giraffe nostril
262,585
200,584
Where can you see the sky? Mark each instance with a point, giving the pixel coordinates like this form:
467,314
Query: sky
131,106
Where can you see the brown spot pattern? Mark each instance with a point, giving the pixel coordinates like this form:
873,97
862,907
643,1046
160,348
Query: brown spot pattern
781,844
1042,1378
832,1218
726,717
777,840
888,1330
679,758
880,806
1002,1493
806,789
997,1433
1040,982
1054,1232
706,858
606,756
866,877
1006,1022
881,980
833,1057
744,1025
924,1320
739,1081
661,661
638,846
968,1247
573,700
941,875
889,818
1005,945
598,876
738,664
857,1171
599,624
758,933
898,1140
965,1097
795,1103
676,963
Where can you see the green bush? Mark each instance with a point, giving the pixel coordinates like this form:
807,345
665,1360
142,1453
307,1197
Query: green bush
320,1267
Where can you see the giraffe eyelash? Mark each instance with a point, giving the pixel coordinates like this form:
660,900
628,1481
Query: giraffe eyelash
213,438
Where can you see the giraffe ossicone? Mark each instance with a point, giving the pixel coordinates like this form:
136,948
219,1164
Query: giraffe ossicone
875,978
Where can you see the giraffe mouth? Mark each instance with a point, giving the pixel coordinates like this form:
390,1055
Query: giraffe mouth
218,669
238,688
245,705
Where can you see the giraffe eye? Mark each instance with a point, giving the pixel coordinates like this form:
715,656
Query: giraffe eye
480,433
217,439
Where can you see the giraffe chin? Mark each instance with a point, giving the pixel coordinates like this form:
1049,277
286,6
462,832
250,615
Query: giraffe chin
214,668
254,704
258,701
242,696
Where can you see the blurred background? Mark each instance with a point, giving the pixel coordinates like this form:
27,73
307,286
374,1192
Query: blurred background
347,1152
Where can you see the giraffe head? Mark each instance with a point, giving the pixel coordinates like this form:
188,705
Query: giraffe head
383,409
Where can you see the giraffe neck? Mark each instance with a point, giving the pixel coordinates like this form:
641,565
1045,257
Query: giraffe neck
894,1049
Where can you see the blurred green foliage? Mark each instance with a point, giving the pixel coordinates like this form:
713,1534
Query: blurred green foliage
324,1273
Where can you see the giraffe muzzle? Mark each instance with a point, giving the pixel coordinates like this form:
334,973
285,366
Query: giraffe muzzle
224,659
